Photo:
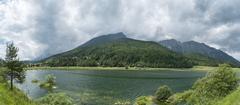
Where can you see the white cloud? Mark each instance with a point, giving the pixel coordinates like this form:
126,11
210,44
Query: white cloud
45,27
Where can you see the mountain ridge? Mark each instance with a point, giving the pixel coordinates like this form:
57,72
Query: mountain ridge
111,47
118,50
191,47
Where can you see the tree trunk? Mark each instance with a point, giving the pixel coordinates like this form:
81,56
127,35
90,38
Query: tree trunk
11,85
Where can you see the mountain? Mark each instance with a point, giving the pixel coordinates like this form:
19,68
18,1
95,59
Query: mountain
104,39
117,50
200,51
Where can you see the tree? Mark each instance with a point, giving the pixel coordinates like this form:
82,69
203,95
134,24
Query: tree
1,62
15,67
162,94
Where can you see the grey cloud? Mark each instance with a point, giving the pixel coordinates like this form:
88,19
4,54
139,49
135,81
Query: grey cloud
60,26
226,12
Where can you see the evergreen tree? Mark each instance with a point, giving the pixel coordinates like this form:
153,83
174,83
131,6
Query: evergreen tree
15,67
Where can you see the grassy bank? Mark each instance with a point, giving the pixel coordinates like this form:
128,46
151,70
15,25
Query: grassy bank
14,97
102,68
195,68
232,99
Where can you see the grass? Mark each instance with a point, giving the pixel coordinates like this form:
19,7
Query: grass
12,97
232,99
15,97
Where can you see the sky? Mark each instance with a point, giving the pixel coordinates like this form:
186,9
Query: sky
44,27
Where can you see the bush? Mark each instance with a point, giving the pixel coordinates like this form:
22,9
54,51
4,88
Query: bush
162,94
215,85
49,83
143,100
56,99
180,98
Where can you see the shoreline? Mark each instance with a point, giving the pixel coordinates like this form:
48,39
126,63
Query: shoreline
195,68
118,68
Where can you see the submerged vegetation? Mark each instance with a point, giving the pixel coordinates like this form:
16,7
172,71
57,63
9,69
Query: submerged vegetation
56,99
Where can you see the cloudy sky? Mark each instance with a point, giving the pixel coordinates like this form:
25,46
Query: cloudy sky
45,27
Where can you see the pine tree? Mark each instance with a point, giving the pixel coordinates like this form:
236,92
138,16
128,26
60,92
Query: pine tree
15,67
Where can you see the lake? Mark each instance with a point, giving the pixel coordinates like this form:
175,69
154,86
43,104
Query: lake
105,87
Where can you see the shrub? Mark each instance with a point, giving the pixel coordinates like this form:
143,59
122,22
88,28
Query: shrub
215,85
49,83
162,94
180,98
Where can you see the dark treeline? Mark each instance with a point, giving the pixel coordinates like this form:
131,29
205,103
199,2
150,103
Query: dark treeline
1,62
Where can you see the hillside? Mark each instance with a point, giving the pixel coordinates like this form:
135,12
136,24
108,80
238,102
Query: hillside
116,50
202,53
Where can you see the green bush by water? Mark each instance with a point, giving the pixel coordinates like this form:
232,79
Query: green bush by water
162,94
49,83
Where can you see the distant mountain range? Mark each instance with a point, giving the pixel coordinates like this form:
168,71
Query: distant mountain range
118,50
196,49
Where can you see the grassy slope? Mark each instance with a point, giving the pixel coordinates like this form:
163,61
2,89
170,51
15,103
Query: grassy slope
15,97
232,99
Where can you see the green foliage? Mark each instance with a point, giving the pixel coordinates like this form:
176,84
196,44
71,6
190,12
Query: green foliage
11,97
49,83
180,98
216,88
162,94
215,85
202,60
121,53
2,62
143,100
13,64
35,81
232,99
56,99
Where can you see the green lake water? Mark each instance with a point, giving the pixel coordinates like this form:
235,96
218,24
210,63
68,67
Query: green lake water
95,87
